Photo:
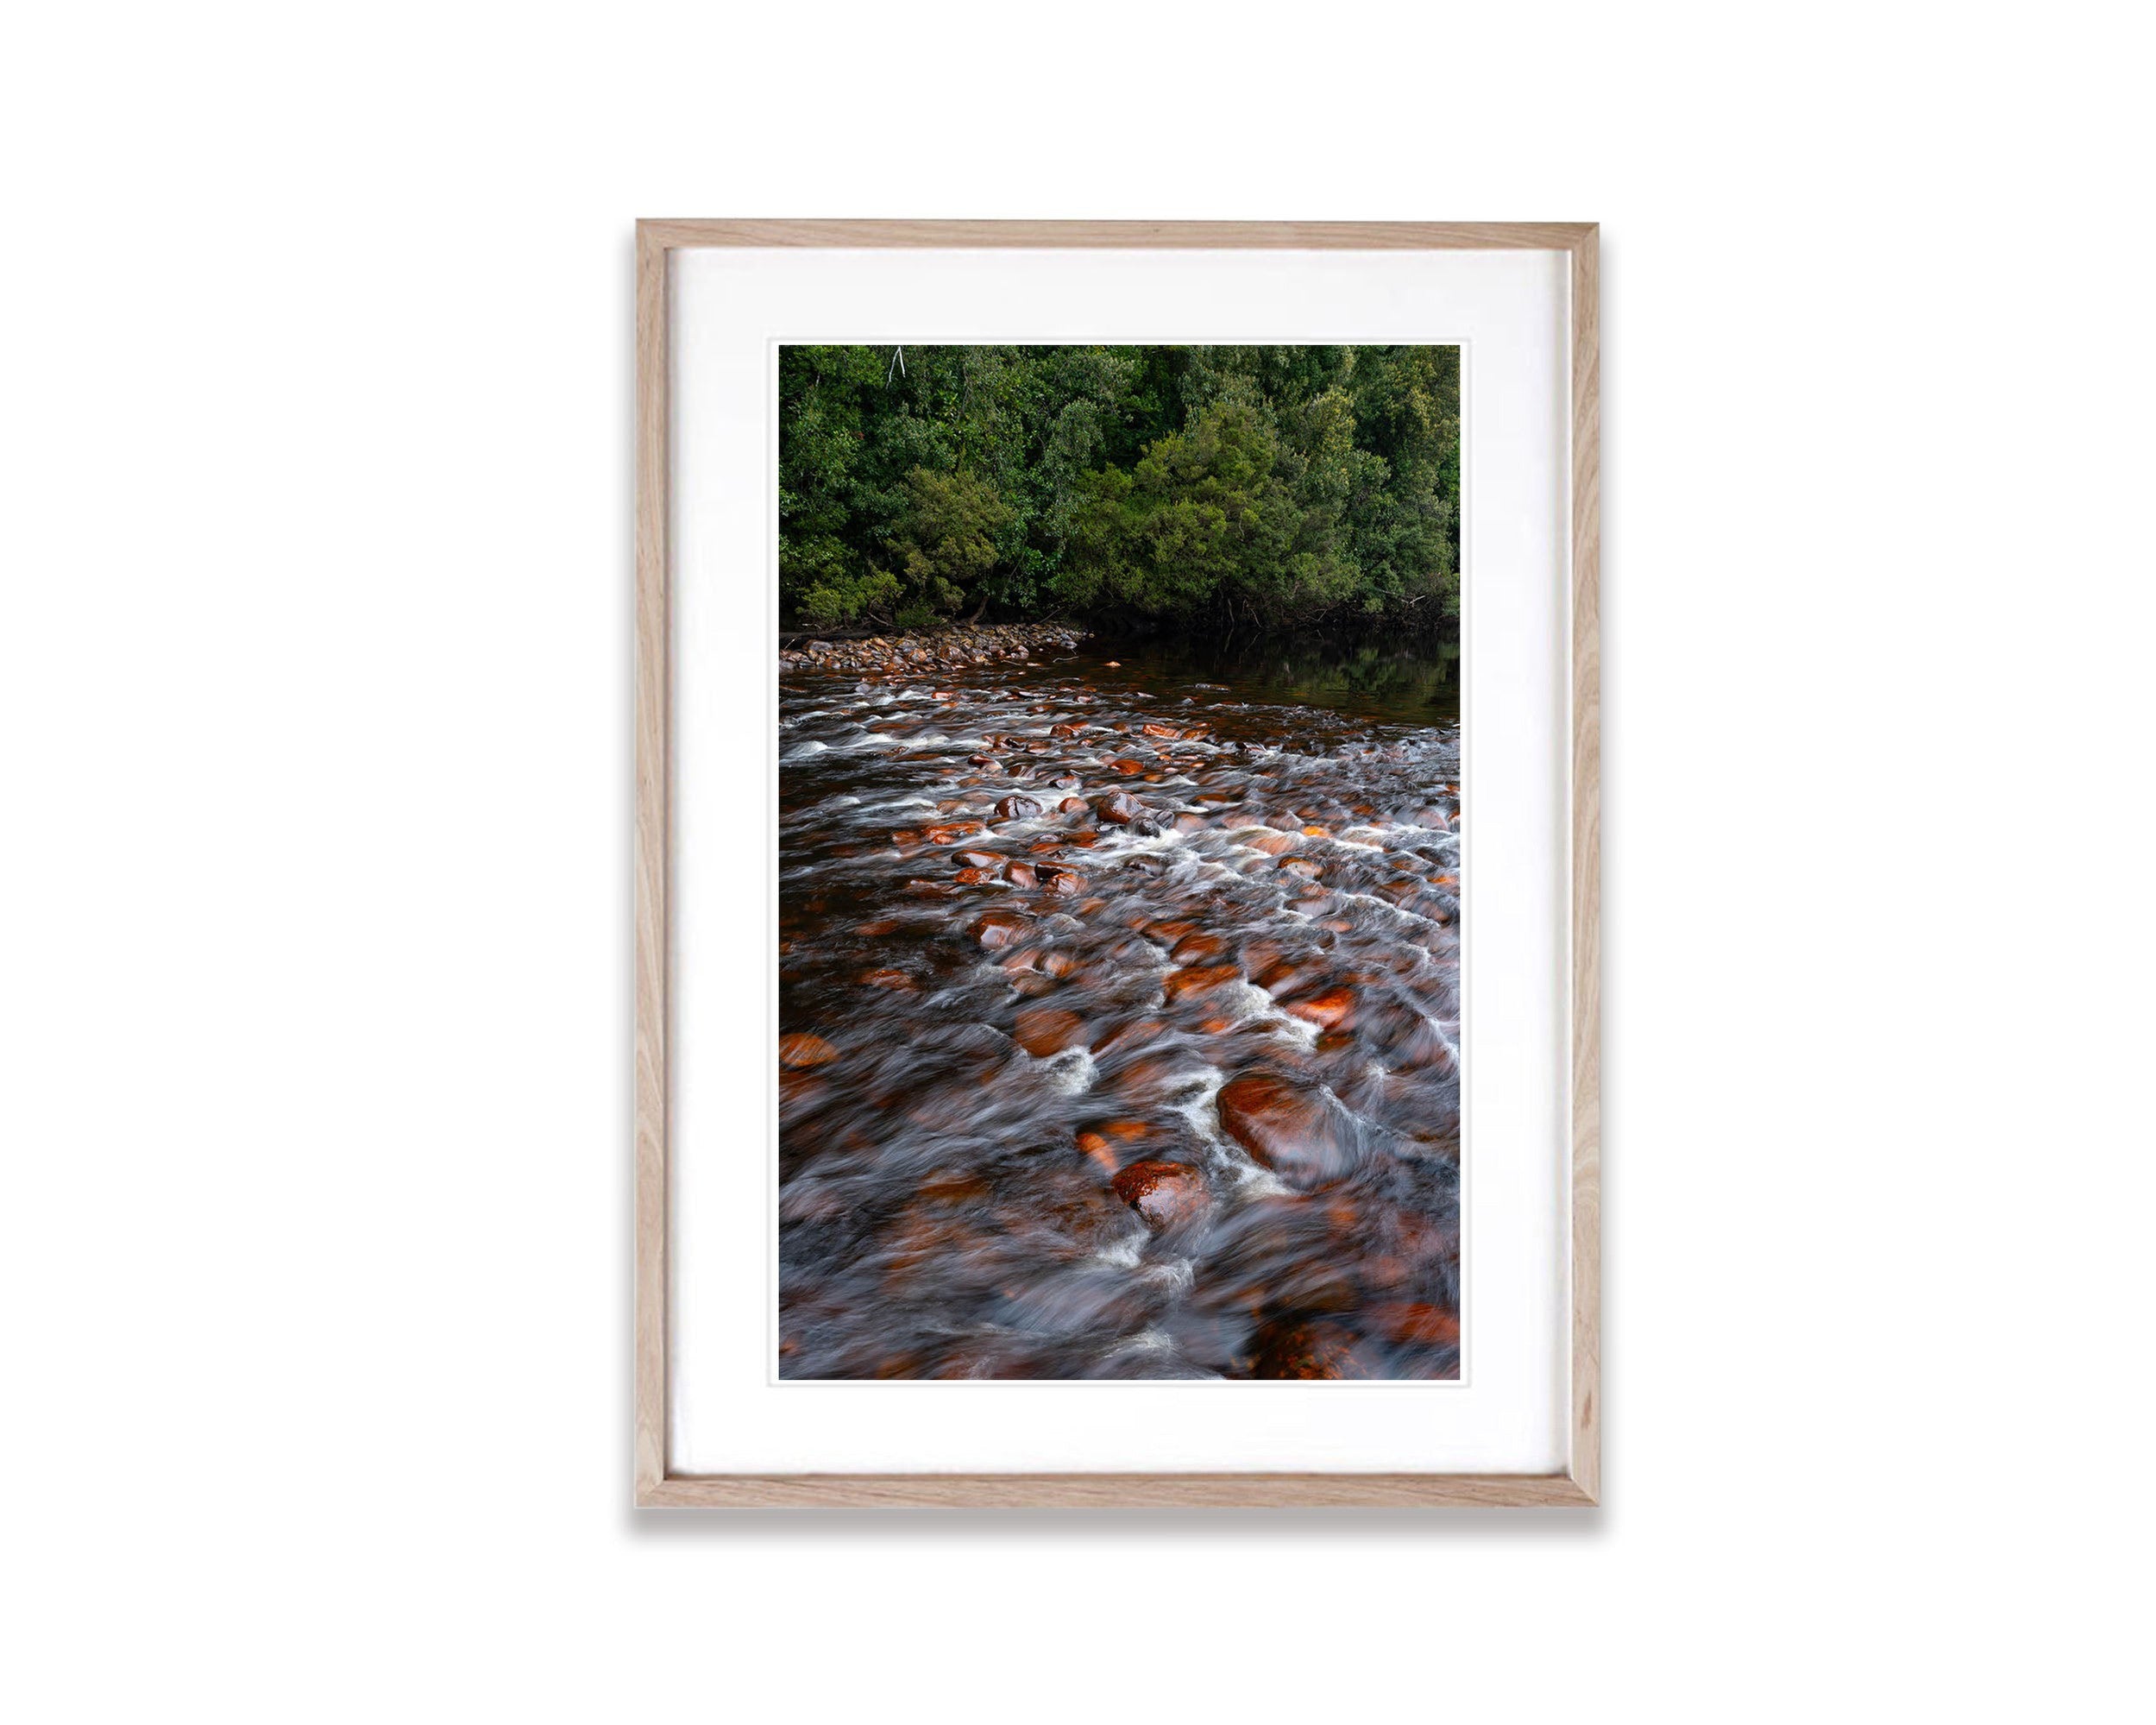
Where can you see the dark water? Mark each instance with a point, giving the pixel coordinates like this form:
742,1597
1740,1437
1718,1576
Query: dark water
1163,1083
1393,683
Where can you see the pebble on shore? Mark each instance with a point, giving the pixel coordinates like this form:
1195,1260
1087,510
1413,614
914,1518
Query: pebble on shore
942,648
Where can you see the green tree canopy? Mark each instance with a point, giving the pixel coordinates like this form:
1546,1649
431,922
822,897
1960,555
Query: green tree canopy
1212,486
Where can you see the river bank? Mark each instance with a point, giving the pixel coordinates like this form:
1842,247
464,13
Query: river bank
946,646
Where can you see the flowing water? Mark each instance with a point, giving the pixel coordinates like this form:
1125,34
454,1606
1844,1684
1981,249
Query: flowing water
1120,1018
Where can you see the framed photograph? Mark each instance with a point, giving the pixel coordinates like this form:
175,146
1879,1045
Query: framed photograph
1116,851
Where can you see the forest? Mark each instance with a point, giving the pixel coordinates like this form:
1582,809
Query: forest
1209,489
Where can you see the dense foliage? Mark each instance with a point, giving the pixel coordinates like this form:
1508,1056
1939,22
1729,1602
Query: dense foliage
1214,487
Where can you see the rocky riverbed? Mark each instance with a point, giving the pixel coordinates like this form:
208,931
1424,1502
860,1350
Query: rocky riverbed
1120,1024
947,648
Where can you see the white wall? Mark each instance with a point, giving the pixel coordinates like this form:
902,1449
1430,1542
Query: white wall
313,948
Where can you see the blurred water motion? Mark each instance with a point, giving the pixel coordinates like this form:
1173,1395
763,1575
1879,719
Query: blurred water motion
1119,1020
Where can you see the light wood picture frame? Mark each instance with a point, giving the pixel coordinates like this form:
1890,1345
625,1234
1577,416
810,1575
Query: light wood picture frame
1579,1481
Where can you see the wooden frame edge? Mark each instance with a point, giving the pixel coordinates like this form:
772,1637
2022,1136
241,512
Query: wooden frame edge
1585,1102
653,858
670,233
1116,1491
1580,1483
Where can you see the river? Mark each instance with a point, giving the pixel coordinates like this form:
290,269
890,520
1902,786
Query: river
1120,1021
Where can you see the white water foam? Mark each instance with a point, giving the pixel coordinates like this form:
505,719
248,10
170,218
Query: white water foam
1178,1273
1222,1154
1072,1071
1124,1254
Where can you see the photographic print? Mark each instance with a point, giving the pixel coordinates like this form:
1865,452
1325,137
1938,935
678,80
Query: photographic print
1119,871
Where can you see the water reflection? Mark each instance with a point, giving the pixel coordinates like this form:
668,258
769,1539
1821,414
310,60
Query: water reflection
1401,682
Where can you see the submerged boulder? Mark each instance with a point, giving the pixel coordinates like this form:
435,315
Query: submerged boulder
1163,1192
1298,1131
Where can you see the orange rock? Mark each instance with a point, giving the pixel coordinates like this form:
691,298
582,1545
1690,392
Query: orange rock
1418,1324
890,978
1162,1192
999,929
1315,1348
800,1090
1198,980
1299,1133
1284,973
1136,1034
1168,933
801,1049
1044,1030
949,1186
1104,1144
1334,1007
